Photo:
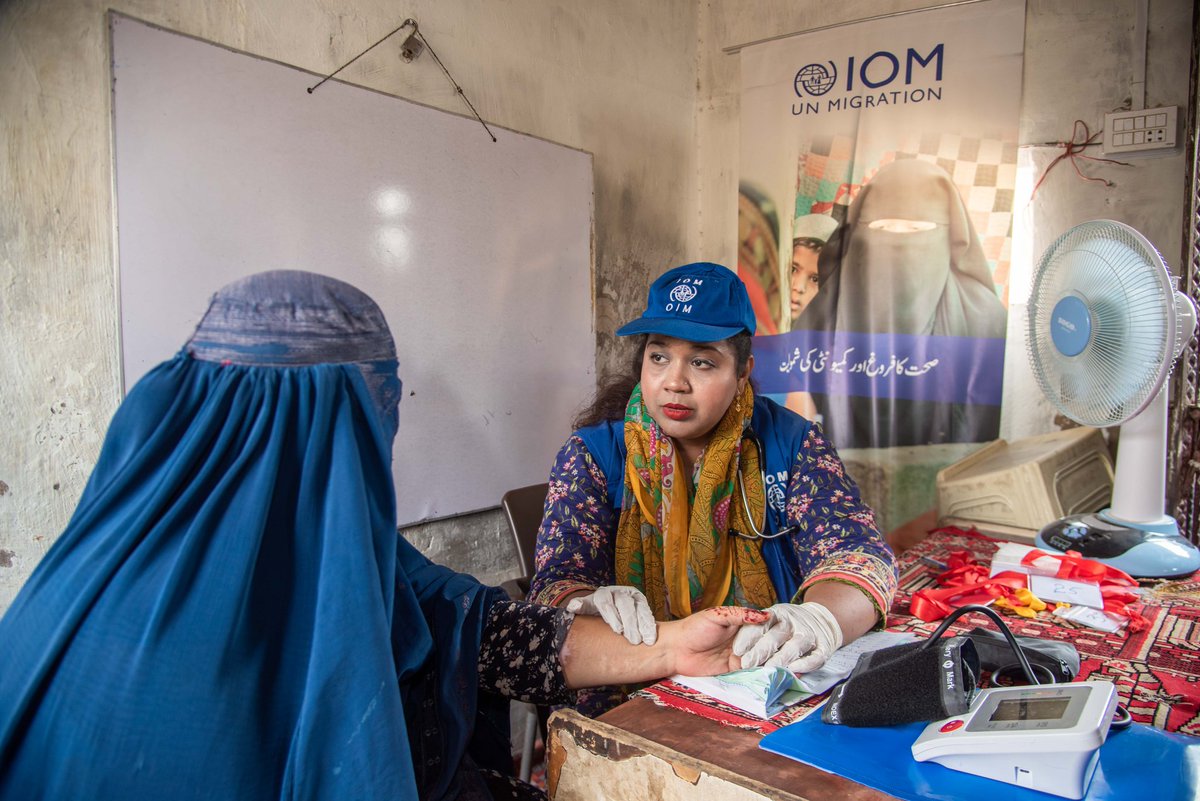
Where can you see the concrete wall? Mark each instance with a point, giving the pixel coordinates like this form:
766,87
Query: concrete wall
614,78
645,87
1078,65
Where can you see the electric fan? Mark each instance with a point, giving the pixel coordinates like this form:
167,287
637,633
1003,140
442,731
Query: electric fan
1105,327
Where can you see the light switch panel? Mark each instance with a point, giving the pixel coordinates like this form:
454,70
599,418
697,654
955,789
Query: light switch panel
1141,130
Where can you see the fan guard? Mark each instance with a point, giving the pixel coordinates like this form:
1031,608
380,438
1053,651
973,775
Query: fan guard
1101,335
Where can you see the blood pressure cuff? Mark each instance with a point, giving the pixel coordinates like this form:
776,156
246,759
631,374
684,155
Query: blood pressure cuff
909,683
1060,658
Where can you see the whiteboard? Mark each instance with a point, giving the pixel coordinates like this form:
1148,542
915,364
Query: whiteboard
479,253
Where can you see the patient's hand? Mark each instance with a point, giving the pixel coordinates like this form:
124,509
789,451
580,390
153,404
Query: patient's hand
702,644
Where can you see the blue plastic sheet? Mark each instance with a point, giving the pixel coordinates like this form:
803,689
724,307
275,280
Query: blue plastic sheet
1137,762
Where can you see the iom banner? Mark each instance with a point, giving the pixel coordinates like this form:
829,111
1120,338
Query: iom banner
877,169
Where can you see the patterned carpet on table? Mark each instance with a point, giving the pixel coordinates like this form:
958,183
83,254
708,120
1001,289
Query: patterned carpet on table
1156,670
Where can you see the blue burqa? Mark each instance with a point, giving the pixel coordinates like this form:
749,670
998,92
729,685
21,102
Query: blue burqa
230,613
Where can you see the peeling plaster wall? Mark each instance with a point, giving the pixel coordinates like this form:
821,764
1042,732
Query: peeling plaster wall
645,87
616,79
1078,65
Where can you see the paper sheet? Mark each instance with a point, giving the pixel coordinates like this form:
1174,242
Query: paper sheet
767,691
1052,588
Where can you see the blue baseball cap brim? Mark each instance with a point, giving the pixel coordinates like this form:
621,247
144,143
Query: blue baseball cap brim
680,329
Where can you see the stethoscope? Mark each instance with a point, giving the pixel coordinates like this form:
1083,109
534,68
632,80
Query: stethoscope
759,530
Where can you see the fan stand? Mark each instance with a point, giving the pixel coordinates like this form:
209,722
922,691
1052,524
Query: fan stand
1137,500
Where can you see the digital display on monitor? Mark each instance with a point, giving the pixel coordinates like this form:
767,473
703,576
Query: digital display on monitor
1030,709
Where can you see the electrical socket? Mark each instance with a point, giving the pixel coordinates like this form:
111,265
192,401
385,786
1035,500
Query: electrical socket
1141,130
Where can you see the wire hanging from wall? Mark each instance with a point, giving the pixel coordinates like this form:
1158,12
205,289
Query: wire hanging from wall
410,48
1074,150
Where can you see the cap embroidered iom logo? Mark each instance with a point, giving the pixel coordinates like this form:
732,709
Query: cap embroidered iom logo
682,293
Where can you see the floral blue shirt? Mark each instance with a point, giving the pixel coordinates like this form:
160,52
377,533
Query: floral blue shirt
835,535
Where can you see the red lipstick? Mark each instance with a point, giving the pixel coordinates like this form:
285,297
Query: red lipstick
676,412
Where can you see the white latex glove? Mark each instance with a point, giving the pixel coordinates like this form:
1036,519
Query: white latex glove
799,637
624,609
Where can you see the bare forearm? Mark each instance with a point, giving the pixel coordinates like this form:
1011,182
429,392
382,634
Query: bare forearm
700,645
595,655
849,605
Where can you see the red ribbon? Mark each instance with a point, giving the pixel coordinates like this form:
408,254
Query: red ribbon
1115,585
1073,566
966,581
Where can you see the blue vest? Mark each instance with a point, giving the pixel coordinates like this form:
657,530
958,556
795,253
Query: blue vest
780,434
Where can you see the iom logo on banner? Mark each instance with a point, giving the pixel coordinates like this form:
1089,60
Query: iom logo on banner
815,79
881,79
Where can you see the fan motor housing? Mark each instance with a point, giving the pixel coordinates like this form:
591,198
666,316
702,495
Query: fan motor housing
1071,326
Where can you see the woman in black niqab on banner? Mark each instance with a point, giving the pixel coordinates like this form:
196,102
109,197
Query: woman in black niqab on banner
906,260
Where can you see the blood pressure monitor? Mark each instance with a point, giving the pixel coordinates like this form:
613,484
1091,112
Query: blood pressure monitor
1045,737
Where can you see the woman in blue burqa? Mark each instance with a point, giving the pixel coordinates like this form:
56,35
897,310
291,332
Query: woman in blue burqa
907,261
230,612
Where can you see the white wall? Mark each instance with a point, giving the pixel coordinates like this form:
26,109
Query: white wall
644,86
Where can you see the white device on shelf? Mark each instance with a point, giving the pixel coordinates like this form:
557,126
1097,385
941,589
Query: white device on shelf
1045,737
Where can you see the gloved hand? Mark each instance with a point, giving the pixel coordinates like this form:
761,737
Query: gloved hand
624,609
799,637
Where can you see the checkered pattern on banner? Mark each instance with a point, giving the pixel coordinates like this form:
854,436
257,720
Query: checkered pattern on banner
830,173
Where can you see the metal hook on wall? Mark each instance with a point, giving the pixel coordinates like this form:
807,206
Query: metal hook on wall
407,55
410,49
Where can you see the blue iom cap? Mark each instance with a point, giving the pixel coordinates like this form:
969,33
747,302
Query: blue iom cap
700,302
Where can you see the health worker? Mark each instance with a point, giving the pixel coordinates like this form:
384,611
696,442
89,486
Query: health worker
682,490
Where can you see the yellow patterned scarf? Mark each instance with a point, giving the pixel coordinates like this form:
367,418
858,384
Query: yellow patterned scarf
697,564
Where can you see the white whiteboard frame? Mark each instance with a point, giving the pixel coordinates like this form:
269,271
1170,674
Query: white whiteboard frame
479,253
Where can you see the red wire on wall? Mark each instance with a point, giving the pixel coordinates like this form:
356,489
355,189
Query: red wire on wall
1073,150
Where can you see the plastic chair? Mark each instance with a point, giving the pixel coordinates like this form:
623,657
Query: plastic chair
523,509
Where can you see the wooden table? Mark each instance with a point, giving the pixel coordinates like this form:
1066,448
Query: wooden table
643,751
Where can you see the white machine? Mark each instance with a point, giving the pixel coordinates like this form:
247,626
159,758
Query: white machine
1045,737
